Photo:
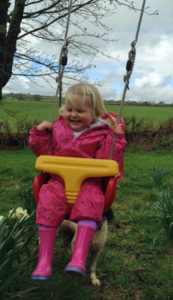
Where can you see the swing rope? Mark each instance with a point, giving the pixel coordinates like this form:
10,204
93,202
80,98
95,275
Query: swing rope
62,64
129,69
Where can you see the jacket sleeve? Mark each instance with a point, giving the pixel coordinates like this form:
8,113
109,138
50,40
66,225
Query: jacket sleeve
104,150
39,141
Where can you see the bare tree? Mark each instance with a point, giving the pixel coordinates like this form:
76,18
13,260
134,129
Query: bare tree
45,20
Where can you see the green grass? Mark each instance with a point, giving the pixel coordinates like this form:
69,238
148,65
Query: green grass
131,266
16,169
151,113
13,110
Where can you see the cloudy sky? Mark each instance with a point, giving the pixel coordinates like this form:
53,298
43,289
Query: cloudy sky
152,78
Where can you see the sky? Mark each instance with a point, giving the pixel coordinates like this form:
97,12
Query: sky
152,77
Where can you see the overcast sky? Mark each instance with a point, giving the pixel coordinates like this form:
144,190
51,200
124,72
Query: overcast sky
152,78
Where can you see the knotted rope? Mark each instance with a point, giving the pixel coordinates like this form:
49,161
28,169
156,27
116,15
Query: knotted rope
129,69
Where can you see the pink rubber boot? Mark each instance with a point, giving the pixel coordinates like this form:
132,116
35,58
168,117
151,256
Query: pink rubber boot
85,233
47,237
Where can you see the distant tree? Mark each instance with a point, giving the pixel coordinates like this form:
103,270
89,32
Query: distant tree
20,97
43,20
36,97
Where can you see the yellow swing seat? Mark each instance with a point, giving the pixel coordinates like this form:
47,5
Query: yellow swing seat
74,170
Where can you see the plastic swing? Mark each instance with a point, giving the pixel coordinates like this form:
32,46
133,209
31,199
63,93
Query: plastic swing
80,168
93,167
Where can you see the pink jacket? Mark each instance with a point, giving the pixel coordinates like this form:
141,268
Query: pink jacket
92,143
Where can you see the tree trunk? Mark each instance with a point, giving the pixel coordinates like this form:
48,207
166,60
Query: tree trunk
9,40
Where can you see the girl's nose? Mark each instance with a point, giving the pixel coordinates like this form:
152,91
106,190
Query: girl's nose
74,113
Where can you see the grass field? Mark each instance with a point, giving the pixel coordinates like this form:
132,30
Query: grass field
13,110
152,113
130,267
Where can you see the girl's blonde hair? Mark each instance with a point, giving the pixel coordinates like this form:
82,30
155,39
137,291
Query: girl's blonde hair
90,96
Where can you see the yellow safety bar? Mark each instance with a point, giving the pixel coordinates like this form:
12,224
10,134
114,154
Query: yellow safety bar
74,170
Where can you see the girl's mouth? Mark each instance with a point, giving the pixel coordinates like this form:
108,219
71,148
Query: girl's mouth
75,121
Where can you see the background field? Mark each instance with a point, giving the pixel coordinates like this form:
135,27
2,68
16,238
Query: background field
13,110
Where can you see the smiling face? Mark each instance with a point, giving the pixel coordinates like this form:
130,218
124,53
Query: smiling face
78,114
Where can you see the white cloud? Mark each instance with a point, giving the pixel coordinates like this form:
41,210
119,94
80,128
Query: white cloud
154,94
152,80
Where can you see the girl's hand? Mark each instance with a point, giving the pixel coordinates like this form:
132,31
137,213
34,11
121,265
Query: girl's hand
44,125
117,128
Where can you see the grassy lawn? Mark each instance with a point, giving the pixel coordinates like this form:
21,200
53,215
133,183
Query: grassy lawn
151,113
131,267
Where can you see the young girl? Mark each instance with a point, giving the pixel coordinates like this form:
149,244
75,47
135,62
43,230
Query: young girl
79,132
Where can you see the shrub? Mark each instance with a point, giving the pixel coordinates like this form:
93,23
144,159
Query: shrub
143,134
159,176
15,140
163,214
26,199
16,233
